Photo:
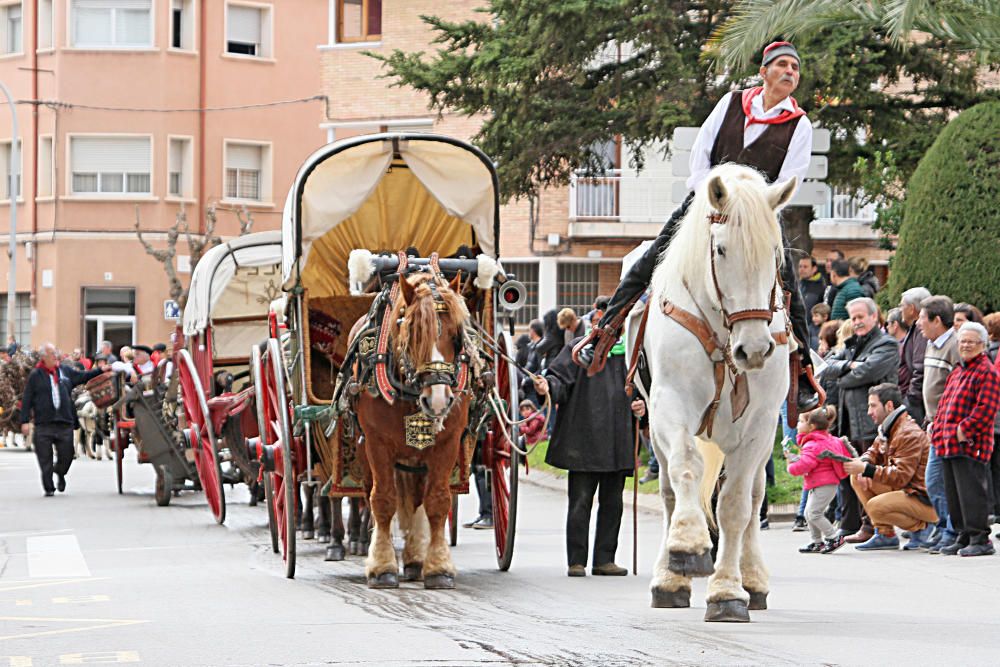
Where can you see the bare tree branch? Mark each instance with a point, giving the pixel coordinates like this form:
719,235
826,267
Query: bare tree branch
166,257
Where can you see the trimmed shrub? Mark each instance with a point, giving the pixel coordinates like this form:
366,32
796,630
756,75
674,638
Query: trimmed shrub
949,241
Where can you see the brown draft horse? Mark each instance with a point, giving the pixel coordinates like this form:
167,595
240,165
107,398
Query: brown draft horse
427,334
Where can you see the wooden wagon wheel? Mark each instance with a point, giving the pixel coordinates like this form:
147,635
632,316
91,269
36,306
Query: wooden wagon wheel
202,436
502,460
119,448
256,365
276,434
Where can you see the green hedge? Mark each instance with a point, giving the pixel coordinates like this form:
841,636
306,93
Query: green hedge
949,241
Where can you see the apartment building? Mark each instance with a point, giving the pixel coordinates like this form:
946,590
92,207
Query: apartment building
136,110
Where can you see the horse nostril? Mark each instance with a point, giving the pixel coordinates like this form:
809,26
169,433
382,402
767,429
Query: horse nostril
770,350
739,353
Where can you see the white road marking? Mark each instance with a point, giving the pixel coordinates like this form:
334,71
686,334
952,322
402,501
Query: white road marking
56,556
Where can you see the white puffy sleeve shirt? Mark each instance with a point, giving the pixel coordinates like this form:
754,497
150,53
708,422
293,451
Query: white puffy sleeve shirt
799,148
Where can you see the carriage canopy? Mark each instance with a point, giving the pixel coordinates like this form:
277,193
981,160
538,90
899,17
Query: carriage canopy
386,192
232,288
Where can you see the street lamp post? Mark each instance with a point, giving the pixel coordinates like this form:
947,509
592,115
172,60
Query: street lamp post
13,170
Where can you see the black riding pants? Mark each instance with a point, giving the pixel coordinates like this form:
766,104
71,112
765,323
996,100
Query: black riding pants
582,486
48,437
639,275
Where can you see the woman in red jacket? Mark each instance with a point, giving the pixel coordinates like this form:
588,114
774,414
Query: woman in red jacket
821,476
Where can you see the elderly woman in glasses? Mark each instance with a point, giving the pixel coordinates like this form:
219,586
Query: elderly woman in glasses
962,436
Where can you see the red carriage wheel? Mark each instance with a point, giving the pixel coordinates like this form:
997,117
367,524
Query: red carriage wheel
502,459
258,393
276,435
202,436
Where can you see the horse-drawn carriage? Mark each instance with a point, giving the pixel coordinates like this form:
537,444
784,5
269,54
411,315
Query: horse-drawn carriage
186,418
389,357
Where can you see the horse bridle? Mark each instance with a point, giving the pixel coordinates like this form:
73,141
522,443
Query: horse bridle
729,319
453,374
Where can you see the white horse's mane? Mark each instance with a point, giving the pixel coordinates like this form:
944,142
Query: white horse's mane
752,224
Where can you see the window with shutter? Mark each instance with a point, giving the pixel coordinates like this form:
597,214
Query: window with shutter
11,27
248,30
182,24
359,20
110,165
45,167
178,167
112,23
8,170
245,164
45,24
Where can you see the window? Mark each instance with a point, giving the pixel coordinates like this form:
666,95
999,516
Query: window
359,20
45,167
110,165
44,24
527,273
248,30
108,314
179,167
247,171
577,286
182,25
22,317
7,169
112,23
10,25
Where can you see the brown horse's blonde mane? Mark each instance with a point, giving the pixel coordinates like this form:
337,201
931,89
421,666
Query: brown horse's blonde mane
417,333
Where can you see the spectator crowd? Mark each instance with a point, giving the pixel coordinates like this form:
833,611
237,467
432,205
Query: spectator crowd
916,393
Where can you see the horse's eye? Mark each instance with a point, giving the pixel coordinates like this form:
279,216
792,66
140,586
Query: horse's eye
721,250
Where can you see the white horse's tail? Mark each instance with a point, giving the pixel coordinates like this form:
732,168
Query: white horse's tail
713,458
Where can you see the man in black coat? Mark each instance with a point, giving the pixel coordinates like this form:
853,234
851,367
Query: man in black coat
47,401
594,440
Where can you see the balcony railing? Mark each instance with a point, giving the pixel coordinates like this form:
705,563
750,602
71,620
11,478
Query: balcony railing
614,197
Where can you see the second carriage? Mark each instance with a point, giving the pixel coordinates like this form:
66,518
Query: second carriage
395,203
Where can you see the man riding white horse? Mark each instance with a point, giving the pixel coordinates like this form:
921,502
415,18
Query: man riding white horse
763,128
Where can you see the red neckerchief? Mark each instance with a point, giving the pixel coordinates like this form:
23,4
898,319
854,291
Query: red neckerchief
54,372
782,117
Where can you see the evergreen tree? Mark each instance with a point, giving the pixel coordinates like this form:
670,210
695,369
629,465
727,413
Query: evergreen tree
949,240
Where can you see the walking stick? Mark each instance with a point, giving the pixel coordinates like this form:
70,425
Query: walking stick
635,500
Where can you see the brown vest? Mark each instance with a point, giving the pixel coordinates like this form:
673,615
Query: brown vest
765,154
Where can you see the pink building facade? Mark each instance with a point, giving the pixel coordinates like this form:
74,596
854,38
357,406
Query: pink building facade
137,110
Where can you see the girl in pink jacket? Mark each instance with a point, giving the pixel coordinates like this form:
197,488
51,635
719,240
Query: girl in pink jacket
821,476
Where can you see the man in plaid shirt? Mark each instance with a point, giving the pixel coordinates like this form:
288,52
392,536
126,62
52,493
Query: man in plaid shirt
963,437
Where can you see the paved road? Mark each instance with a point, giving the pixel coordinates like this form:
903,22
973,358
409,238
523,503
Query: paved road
90,576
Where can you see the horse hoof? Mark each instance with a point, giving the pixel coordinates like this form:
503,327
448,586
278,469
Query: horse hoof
413,572
353,549
691,565
758,601
727,611
439,581
671,599
384,580
308,535
335,552
323,538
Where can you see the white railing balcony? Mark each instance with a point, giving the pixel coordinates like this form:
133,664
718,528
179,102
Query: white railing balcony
618,197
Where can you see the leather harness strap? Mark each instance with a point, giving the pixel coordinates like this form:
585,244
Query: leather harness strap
713,348
633,363
382,349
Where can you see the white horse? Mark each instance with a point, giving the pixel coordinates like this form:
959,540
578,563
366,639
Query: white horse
716,290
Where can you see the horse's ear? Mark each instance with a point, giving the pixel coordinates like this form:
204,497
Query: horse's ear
717,193
780,194
406,290
456,283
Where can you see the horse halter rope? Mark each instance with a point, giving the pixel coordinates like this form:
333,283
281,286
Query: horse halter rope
766,314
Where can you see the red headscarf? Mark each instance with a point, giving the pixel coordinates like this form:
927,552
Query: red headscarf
750,93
